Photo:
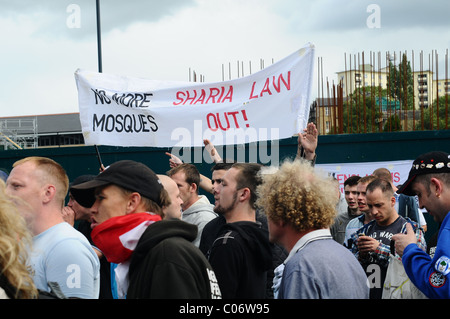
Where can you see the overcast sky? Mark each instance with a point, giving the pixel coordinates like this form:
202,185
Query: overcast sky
45,41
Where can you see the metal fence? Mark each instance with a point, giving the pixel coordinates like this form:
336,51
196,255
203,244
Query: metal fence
395,91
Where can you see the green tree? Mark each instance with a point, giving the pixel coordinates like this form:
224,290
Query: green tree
400,83
361,112
393,124
432,114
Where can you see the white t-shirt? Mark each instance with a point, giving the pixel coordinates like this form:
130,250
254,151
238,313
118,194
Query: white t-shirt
63,255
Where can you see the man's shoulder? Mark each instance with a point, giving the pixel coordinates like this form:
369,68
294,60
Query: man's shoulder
367,226
357,220
216,222
63,238
174,245
59,232
201,205
199,216
232,233
228,236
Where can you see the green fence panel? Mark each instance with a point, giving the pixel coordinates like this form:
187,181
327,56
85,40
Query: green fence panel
346,148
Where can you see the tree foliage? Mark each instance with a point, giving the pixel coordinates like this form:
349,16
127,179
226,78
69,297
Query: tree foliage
400,83
361,111
437,116
393,124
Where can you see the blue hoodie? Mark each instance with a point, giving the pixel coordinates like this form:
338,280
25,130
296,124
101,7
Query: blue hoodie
431,276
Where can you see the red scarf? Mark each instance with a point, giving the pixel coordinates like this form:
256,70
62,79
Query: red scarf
118,236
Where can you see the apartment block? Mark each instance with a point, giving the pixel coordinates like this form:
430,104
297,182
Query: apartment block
426,87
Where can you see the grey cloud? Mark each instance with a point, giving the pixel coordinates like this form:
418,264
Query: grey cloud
51,15
339,15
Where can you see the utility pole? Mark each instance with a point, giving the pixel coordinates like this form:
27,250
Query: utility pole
99,53
99,37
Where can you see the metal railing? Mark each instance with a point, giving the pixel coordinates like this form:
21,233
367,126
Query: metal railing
394,92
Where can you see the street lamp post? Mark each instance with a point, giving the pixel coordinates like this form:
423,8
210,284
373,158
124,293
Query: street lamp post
99,37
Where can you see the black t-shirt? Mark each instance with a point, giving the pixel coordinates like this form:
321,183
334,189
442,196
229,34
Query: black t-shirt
384,233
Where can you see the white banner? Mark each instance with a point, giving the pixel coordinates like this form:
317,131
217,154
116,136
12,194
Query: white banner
268,105
399,170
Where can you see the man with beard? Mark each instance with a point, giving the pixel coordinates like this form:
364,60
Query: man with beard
241,255
209,233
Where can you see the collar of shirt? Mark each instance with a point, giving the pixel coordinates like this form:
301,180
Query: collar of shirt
306,239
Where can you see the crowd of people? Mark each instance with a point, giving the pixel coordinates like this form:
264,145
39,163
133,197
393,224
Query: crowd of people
271,232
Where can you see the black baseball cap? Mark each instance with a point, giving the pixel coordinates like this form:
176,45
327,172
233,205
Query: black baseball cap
128,174
86,201
429,163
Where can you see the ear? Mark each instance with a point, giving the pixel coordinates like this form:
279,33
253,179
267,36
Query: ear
245,194
134,200
393,201
193,188
436,184
49,192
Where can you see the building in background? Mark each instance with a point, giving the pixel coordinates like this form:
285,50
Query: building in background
53,130
426,87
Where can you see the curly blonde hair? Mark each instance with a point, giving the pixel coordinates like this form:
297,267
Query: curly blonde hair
298,195
14,240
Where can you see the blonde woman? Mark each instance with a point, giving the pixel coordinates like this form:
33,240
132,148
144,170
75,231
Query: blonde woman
15,280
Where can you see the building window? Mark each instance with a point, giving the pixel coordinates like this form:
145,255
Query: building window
61,139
